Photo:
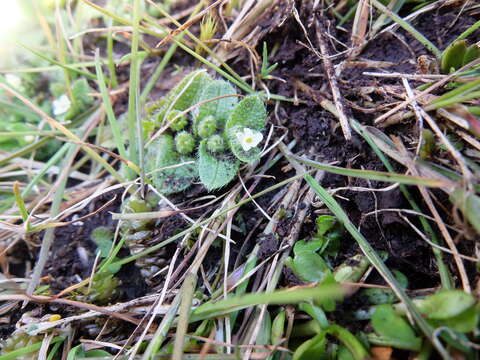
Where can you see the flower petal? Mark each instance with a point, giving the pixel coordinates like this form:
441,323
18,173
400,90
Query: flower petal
257,138
61,105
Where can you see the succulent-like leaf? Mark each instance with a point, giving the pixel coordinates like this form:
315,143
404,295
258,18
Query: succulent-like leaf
310,267
352,269
219,109
310,246
215,170
472,53
182,96
324,224
313,348
464,322
160,154
453,56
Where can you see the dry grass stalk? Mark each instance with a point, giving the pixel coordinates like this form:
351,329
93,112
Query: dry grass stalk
332,79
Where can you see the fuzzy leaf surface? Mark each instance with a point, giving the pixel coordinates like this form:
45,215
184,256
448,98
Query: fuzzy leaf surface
161,154
215,170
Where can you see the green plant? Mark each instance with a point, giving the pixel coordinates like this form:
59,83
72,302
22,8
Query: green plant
104,288
310,261
138,235
458,54
202,115
266,68
208,28
21,340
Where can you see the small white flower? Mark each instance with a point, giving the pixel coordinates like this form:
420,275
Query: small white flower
61,105
13,80
249,138
29,138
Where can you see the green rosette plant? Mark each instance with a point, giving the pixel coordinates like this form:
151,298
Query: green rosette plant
204,117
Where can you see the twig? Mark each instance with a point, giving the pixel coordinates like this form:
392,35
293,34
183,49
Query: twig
439,84
332,79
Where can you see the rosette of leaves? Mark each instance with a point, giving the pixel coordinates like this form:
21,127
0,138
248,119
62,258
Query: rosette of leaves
138,236
201,143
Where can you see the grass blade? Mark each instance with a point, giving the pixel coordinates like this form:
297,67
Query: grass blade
422,39
445,276
369,252
289,296
117,136
373,175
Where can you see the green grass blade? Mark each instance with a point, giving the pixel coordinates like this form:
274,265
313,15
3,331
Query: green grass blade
371,254
52,161
289,296
466,33
373,175
111,61
456,100
133,96
445,276
24,151
18,353
117,135
49,234
422,39
20,202
58,63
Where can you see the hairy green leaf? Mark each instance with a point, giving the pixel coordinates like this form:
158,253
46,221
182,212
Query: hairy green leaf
250,112
163,163
219,109
215,170
182,96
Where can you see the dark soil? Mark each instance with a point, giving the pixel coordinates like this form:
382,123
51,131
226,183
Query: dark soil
319,136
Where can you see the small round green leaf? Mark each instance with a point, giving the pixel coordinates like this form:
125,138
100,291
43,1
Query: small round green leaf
219,109
250,113
215,170
446,304
160,160
310,267
388,324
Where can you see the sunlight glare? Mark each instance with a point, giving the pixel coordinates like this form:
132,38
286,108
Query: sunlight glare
10,17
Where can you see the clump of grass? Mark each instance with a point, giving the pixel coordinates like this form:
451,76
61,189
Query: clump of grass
208,28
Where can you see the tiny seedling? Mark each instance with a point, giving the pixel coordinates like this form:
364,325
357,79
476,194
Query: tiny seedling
310,262
209,134
266,69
